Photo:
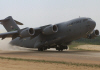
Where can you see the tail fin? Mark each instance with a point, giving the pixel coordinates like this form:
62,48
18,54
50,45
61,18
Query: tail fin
10,24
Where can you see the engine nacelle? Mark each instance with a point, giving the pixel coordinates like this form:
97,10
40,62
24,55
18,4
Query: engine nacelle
50,30
27,32
94,34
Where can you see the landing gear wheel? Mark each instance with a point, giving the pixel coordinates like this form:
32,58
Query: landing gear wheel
61,48
40,49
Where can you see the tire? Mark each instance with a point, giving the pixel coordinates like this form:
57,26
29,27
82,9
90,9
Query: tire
40,49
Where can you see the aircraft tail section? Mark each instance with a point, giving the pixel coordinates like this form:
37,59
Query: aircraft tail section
10,24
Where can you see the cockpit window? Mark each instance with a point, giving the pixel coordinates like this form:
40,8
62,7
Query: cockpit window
85,20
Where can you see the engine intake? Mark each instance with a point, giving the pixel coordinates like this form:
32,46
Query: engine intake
50,29
94,34
27,32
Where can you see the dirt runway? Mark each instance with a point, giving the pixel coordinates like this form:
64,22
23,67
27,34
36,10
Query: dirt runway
53,55
88,57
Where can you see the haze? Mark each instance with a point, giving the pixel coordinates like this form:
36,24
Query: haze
35,13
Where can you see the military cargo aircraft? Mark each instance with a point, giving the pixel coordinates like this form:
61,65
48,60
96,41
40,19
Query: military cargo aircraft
49,36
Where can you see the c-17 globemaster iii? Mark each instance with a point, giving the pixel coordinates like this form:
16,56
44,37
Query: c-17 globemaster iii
50,36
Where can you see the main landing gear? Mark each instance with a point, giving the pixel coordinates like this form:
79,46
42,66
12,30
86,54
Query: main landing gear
58,47
61,48
42,49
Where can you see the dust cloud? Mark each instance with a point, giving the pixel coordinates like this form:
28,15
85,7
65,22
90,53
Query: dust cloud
5,46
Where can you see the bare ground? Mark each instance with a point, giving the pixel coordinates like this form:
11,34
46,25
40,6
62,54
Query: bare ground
66,56
89,47
24,65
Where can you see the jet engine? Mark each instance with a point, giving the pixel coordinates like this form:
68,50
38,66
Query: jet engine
94,34
50,29
27,32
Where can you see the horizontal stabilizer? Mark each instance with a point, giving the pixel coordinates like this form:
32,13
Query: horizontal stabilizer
17,22
4,20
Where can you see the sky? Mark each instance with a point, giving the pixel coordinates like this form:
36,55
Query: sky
35,13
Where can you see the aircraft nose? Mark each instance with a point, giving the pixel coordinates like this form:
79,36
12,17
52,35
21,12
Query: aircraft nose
92,23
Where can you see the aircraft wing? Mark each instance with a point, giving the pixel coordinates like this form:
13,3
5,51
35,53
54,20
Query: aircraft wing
8,34
14,31
25,32
18,33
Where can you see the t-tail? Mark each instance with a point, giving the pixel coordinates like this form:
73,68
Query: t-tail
10,24
14,31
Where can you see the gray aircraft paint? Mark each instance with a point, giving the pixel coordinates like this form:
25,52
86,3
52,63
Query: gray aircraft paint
67,32
10,25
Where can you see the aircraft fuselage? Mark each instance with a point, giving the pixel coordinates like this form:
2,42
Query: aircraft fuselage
67,32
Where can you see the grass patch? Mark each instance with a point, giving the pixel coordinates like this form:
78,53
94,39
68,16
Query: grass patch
57,62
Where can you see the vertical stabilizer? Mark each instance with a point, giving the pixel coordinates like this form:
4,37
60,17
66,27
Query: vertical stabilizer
9,24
